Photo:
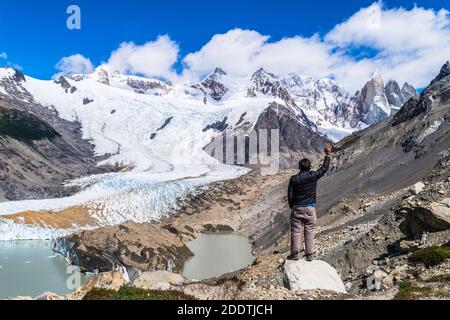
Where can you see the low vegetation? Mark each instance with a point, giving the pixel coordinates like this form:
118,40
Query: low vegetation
127,293
430,257
408,291
24,126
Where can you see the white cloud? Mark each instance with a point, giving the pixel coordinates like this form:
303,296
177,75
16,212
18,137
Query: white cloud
241,52
152,59
3,55
411,44
406,45
75,64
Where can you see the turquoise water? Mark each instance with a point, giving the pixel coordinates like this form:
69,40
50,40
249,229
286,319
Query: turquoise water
217,254
29,268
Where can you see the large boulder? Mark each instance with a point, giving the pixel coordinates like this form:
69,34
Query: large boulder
303,275
439,214
433,216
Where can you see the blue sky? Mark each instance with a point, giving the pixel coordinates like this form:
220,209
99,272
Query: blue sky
34,35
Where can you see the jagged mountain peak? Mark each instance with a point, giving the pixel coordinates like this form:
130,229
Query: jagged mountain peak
219,72
261,73
397,96
444,72
213,86
12,74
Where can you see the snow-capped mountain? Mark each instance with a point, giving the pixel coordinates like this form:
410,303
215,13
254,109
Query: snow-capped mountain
156,132
160,132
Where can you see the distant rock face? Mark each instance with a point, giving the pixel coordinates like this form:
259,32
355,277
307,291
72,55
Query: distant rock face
62,81
103,76
148,87
396,96
324,101
268,84
372,102
296,133
212,86
302,275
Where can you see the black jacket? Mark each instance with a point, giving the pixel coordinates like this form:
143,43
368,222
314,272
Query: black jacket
302,187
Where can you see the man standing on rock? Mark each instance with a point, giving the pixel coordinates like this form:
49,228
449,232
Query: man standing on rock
302,201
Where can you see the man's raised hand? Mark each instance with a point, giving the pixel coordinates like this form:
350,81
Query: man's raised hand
329,149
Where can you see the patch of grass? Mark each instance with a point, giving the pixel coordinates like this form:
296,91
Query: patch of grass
431,257
127,293
409,292
440,278
442,294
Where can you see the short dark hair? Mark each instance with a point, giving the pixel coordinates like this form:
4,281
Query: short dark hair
304,165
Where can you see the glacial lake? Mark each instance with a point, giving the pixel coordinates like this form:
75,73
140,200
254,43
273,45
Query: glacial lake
217,254
29,268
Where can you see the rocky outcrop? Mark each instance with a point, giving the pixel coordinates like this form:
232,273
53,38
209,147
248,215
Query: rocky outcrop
436,95
144,247
297,138
212,86
303,275
152,87
430,217
62,81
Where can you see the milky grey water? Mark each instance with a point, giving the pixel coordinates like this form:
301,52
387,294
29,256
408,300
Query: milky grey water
217,254
29,268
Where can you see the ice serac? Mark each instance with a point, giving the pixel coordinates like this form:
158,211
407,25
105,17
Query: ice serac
302,275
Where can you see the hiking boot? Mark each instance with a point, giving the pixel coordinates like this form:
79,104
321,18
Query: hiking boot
309,257
293,257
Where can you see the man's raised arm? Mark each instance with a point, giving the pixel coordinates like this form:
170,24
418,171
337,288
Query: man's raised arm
326,163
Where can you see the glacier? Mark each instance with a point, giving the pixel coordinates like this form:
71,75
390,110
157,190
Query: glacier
127,120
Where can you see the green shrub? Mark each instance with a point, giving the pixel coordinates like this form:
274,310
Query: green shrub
127,293
431,257
24,126
409,292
